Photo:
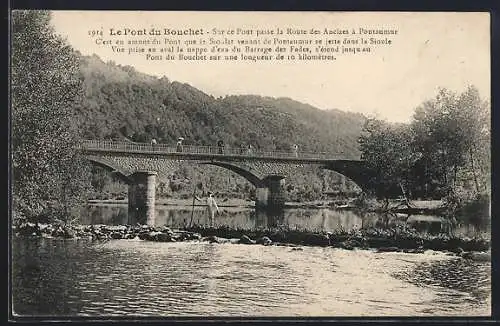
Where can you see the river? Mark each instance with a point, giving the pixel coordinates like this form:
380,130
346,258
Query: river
138,278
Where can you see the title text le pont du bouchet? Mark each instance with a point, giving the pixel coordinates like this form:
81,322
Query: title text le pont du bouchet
247,32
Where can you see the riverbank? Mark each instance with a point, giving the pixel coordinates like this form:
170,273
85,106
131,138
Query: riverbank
396,239
435,207
229,202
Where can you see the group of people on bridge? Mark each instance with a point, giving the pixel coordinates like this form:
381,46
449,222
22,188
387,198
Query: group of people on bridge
248,149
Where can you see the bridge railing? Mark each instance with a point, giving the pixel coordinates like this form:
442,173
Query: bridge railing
192,149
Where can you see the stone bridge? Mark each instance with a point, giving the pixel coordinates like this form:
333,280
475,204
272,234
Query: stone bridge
139,164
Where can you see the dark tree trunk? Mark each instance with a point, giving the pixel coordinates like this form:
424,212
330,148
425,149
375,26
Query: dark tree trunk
473,170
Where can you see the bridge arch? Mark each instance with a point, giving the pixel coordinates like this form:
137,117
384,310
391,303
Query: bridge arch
356,171
114,171
251,177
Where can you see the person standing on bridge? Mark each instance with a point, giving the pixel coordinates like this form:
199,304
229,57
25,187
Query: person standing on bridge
179,144
220,145
153,143
296,150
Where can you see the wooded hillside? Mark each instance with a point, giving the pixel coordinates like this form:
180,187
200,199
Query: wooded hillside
123,103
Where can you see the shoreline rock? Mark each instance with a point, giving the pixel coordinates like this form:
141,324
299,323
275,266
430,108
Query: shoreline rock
380,240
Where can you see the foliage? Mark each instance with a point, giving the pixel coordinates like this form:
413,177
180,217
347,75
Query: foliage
443,152
387,150
44,89
452,134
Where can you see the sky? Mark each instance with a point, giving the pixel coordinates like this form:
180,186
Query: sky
430,50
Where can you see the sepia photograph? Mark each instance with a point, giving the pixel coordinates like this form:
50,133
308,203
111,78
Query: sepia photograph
208,164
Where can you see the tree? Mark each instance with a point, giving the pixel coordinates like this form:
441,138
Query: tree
387,149
445,146
476,125
452,135
45,86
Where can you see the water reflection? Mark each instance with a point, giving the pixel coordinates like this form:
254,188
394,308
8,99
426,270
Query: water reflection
33,279
297,218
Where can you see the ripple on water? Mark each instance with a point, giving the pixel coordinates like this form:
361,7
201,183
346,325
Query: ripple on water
163,279
463,286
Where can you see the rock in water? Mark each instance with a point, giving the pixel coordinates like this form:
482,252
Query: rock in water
68,233
346,245
195,236
152,236
143,235
163,237
28,229
246,240
212,239
58,232
317,239
264,241
477,256
165,229
387,249
414,251
182,235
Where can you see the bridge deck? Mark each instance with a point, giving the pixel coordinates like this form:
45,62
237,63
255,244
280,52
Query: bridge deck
208,152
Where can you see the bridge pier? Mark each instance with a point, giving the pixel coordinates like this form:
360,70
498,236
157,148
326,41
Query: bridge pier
272,194
141,197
